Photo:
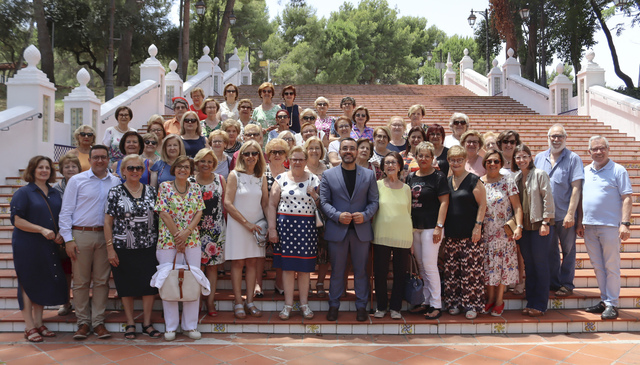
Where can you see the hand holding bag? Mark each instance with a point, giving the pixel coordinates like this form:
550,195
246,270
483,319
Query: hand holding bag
261,237
180,285
413,286
510,226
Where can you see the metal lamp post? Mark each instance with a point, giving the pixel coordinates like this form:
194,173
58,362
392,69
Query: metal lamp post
472,21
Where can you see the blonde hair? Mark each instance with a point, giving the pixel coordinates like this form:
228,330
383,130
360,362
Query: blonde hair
218,132
197,90
404,124
298,149
472,132
415,108
81,128
231,123
456,151
260,168
321,99
69,158
277,142
126,160
309,111
163,152
203,153
383,128
317,140
425,146
198,125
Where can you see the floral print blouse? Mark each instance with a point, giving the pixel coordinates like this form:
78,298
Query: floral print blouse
181,209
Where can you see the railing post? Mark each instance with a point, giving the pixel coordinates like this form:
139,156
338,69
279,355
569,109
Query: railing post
449,75
152,69
465,63
218,77
510,67
246,72
206,65
173,84
591,74
494,79
560,92
81,106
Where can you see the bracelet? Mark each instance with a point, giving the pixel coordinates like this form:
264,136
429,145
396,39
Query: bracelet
479,223
109,243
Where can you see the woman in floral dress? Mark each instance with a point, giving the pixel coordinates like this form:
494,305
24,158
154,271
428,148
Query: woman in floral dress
212,226
501,255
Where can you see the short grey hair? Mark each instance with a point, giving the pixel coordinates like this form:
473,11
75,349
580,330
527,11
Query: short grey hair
596,138
557,125
127,159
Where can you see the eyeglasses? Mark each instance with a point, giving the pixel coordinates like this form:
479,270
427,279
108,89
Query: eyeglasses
183,167
231,91
189,120
557,136
99,158
85,134
381,136
322,104
282,116
288,139
289,93
251,135
267,91
512,141
341,126
361,115
493,162
180,107
150,142
308,118
472,142
217,141
456,160
253,154
390,163
124,115
598,149
135,168
297,160
245,107
156,130
277,152
459,122
346,104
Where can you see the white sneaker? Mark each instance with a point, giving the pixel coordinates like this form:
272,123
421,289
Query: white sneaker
379,314
170,335
194,334
395,315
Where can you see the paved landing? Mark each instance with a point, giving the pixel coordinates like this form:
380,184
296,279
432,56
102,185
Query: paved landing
257,349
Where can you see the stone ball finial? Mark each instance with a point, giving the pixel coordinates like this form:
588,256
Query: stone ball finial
83,77
590,55
466,52
153,50
216,61
206,50
560,68
32,55
495,62
173,65
510,52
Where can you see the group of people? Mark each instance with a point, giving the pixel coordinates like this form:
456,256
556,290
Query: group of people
478,212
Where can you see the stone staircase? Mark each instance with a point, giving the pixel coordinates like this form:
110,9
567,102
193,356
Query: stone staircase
486,114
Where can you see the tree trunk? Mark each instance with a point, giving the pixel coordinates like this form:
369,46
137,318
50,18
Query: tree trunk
185,39
221,39
44,40
126,39
614,55
532,46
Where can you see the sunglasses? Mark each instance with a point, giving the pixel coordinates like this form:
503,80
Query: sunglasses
267,91
150,142
308,118
459,122
245,107
282,116
250,135
189,120
84,134
493,162
231,91
513,142
124,116
247,154
278,152
322,104
135,168
288,93
361,115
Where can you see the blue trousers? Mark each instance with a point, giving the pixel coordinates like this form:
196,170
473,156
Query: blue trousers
562,274
535,252
603,247
338,253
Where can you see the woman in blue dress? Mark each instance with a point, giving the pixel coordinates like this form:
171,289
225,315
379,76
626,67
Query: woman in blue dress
34,215
172,147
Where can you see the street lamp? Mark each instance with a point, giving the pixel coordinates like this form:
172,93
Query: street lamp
524,14
472,21
200,7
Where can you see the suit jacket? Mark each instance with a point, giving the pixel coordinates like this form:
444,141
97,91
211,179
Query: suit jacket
335,199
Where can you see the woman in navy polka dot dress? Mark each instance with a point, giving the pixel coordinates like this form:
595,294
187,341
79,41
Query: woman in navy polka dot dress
294,197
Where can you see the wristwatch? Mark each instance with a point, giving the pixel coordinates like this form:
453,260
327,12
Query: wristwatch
628,224
545,223
520,226
440,225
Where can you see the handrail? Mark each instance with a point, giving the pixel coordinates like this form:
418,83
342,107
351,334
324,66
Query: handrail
15,115
615,96
187,86
523,82
126,98
472,74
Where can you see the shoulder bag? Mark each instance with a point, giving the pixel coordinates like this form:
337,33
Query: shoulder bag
180,285
413,286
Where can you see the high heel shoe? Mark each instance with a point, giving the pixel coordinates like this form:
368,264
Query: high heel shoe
285,313
278,290
497,310
307,313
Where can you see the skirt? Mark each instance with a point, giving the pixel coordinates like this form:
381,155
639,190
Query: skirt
133,275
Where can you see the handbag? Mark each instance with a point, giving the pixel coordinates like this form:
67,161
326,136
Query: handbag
319,219
413,285
180,285
261,237
510,227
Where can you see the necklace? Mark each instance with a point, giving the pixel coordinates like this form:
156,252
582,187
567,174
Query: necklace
117,127
178,190
133,192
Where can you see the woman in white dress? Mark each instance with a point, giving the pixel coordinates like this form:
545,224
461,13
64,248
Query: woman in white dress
113,135
245,202
229,108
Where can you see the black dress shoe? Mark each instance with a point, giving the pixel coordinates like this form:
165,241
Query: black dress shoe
362,315
610,313
332,314
598,308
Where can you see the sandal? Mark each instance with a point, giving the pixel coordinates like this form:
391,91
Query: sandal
535,313
285,313
307,313
153,334
419,309
430,314
471,314
525,312
497,310
320,292
488,307
238,311
130,335
563,292
252,309
44,332
32,335
454,311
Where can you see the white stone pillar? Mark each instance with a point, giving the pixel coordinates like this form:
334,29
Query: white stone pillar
494,79
31,88
560,92
218,77
510,67
449,75
590,74
465,63
173,84
152,69
246,72
81,106
206,65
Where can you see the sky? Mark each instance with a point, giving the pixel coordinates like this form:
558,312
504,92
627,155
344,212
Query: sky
453,20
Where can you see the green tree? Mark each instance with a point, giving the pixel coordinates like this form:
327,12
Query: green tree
495,44
15,32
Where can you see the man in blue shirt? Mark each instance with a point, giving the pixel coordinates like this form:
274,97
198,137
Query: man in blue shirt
606,203
566,174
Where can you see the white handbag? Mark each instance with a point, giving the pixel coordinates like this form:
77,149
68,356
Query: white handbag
180,285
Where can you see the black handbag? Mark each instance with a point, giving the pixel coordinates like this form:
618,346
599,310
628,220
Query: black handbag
413,286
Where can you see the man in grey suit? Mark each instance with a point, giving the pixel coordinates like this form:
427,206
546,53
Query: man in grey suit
349,198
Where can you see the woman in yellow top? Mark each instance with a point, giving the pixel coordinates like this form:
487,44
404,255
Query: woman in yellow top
392,231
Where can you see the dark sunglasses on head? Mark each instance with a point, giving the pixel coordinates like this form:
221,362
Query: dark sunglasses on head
189,120
135,168
150,142
85,134
459,122
247,154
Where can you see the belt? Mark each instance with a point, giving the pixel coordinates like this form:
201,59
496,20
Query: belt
89,229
